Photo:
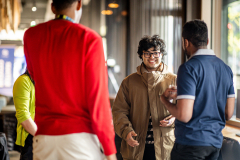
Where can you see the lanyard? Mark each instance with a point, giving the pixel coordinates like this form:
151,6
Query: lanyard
64,17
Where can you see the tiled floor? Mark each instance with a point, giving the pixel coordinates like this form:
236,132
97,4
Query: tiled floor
14,155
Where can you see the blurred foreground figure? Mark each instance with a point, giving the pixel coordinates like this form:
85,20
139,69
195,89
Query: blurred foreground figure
205,98
138,114
24,102
66,61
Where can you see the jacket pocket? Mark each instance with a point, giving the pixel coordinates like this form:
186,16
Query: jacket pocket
166,131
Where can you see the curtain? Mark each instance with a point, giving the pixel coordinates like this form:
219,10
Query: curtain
162,17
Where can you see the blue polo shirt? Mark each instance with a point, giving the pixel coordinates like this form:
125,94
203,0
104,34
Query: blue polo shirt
209,82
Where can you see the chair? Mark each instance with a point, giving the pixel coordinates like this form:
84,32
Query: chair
3,147
230,149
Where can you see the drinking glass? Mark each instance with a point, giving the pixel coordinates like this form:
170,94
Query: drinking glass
174,83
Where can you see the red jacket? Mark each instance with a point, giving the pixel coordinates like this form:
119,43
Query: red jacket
66,61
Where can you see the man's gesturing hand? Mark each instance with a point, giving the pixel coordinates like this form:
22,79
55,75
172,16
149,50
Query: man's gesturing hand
130,139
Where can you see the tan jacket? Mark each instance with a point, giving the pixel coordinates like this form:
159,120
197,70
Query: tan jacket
139,94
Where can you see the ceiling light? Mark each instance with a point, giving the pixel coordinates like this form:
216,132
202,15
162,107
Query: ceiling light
107,12
111,62
113,5
85,2
124,13
33,23
117,69
34,9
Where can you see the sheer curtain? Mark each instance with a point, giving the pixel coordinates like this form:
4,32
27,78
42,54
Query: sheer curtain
162,17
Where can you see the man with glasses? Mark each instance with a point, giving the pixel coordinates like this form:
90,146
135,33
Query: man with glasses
138,114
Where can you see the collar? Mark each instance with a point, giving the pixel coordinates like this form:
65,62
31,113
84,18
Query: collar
163,69
201,52
64,17
159,69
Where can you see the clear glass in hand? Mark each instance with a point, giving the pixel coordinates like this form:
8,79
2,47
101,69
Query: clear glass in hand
174,83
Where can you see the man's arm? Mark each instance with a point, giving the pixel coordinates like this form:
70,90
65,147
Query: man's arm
122,124
183,110
111,157
96,91
120,111
229,109
186,89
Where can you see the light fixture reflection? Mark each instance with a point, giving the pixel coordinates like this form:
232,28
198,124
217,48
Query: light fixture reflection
124,13
113,5
33,23
107,12
111,62
34,9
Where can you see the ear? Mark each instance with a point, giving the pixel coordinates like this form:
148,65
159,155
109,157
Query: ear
161,55
53,8
207,41
186,43
79,5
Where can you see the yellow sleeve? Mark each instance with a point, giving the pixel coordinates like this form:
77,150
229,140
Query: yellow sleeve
21,98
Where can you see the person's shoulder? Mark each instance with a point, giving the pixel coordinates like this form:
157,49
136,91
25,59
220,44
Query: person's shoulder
87,31
38,27
34,30
227,67
167,72
220,61
186,64
191,66
194,62
130,78
170,76
22,80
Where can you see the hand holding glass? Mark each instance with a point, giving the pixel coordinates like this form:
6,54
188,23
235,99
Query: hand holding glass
173,88
173,83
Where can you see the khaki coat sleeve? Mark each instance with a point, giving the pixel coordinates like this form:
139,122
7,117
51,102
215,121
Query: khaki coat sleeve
121,112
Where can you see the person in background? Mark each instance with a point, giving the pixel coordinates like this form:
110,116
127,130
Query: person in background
24,101
205,98
73,113
138,114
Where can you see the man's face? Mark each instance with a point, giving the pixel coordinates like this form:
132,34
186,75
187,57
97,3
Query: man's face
151,61
185,50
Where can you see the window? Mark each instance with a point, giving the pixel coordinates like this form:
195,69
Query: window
231,40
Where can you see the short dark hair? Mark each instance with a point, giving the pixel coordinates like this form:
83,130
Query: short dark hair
28,74
148,42
63,4
196,32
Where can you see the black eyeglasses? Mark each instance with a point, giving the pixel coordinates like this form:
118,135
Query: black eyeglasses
149,54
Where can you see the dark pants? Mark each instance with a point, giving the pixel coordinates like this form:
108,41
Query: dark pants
26,151
184,152
149,152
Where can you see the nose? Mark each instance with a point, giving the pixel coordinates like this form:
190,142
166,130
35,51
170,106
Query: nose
151,55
